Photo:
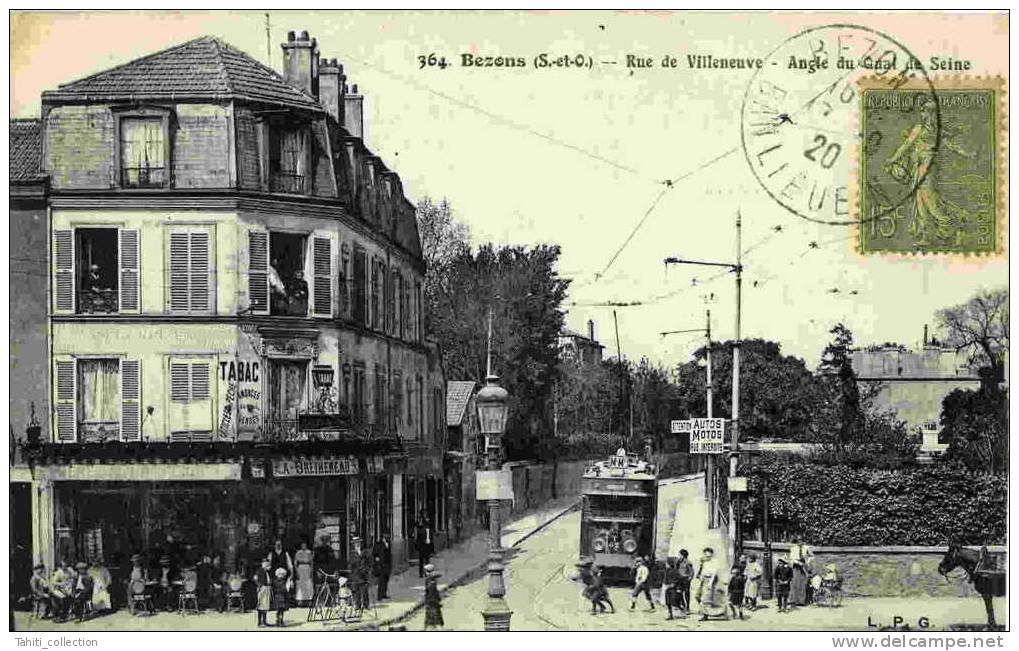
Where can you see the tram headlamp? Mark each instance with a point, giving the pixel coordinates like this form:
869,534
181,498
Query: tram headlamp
598,545
630,545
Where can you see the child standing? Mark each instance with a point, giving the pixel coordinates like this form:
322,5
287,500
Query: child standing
263,598
641,584
737,586
783,579
280,591
754,572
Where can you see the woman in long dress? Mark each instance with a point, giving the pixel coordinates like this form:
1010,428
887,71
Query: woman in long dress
433,600
708,593
799,559
303,560
101,580
754,573
263,597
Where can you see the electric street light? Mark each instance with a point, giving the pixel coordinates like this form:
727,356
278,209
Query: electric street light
492,409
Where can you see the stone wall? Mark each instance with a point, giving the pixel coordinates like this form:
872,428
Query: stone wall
888,571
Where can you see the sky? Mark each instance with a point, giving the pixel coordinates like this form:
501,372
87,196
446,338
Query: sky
576,157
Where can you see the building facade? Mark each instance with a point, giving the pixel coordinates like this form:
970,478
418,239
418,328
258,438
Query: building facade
584,350
914,383
235,311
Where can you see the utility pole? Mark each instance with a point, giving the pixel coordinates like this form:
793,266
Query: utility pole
709,473
268,41
737,268
735,529
622,378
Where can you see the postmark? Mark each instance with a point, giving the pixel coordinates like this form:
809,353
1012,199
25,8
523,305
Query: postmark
956,203
799,121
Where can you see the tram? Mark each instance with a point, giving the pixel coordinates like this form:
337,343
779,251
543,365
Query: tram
619,500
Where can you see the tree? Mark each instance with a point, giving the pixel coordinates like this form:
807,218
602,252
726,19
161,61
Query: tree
777,392
975,424
524,294
443,240
840,416
980,326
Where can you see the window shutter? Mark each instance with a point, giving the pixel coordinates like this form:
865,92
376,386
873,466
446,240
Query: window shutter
200,409
63,281
199,269
258,272
130,400
178,272
180,384
360,276
129,270
66,425
322,274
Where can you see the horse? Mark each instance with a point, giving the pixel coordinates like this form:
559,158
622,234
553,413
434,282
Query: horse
988,581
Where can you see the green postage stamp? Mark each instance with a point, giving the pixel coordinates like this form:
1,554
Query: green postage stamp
931,177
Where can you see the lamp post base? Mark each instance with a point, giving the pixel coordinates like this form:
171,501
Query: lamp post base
497,614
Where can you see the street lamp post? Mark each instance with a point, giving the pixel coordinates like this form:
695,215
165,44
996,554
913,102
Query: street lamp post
492,408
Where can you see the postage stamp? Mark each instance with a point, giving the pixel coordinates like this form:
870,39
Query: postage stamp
949,150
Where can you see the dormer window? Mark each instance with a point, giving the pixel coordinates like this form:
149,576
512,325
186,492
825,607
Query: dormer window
143,150
286,155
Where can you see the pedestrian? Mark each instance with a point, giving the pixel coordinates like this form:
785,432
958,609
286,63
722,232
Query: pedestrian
754,572
685,574
670,584
305,572
281,585
218,582
263,599
359,574
433,600
40,587
707,591
599,591
584,575
382,565
83,586
783,579
641,584
167,585
800,557
61,587
737,591
424,540
101,581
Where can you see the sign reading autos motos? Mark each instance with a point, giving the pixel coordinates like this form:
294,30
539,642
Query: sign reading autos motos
707,435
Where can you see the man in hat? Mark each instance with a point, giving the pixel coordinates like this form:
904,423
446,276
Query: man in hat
424,541
359,573
641,584
167,584
40,588
382,565
82,593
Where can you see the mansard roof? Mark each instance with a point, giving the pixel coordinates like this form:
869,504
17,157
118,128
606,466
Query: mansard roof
26,151
204,68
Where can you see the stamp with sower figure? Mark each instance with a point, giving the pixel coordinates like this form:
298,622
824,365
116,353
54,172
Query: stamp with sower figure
948,153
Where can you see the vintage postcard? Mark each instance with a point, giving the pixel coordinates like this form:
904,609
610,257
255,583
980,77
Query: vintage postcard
517,320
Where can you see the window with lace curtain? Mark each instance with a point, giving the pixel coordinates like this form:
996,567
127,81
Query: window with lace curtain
143,152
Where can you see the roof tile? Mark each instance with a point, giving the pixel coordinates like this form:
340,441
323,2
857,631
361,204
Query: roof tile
204,68
26,150
458,395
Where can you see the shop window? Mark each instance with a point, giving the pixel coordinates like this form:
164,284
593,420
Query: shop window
95,271
143,152
190,396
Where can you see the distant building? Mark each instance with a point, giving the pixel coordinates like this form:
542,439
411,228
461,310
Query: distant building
465,447
915,382
583,350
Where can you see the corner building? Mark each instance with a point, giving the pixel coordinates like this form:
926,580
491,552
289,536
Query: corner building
237,347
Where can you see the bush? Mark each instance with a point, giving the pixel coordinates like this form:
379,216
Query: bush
844,505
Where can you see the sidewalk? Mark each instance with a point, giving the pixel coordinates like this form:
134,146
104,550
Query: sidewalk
690,526
459,564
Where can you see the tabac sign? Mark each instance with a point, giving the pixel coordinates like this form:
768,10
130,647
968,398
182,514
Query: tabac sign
314,467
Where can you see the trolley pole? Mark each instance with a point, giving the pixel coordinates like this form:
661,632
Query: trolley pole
709,474
735,528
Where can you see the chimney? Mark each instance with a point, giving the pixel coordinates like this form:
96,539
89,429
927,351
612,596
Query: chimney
331,82
353,113
300,62
590,330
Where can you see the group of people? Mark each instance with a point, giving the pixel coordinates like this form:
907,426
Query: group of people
291,296
70,590
792,579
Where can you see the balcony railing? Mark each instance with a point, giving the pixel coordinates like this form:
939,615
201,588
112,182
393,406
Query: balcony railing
143,177
98,301
287,183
